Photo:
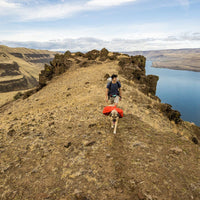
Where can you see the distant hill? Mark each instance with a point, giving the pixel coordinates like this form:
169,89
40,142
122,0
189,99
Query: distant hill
20,67
179,59
56,144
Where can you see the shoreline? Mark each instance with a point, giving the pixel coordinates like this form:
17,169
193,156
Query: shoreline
172,68
178,69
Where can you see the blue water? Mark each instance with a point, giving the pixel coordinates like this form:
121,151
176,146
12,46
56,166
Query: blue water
179,88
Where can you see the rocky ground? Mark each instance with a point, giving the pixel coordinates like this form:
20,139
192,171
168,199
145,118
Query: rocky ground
57,144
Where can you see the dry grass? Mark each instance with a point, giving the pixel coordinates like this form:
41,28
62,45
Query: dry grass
6,97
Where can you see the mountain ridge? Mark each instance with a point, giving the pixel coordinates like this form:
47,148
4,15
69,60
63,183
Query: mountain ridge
57,144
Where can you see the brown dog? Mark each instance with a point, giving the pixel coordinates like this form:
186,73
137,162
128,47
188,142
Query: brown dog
114,117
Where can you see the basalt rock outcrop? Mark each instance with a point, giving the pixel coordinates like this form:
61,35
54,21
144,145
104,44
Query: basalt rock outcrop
133,67
62,62
14,84
58,65
92,55
167,110
103,54
9,69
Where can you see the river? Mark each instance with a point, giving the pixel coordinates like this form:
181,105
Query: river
179,88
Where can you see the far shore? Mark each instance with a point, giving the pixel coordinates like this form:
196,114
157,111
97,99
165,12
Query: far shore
174,67
177,59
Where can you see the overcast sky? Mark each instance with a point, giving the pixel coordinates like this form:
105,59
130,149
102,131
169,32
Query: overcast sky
82,25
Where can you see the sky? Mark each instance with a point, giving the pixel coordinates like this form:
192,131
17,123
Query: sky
83,25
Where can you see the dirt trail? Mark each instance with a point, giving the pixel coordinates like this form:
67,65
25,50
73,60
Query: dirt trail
57,144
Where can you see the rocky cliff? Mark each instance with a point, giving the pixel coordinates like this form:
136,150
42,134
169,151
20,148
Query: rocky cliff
55,143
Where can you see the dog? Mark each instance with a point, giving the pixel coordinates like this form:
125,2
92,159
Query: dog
114,113
114,118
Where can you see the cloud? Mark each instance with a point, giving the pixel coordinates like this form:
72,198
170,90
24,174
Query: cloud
127,31
122,37
6,7
6,4
32,10
184,40
56,11
184,3
107,3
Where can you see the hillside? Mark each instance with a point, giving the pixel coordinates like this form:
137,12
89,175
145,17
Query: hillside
179,59
57,144
19,67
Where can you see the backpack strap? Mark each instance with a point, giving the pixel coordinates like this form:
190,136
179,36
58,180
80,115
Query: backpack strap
110,85
109,88
118,84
